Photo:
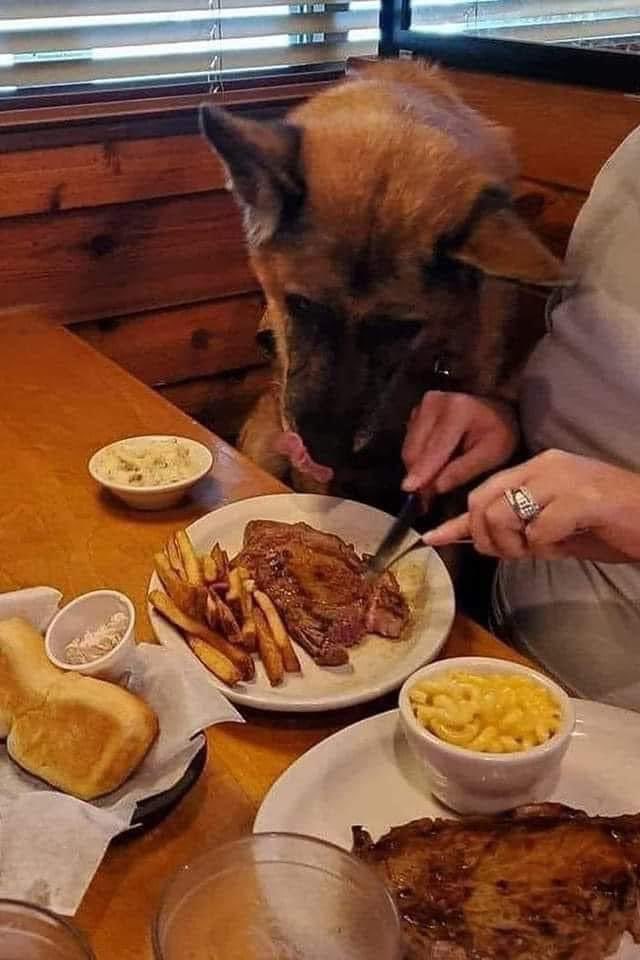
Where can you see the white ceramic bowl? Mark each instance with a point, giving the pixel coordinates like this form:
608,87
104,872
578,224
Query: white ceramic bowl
471,782
158,496
86,613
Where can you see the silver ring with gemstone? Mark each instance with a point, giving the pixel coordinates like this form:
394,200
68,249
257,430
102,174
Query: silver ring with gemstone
523,503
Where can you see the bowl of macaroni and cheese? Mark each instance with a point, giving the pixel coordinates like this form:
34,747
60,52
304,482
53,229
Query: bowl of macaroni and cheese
490,733
151,472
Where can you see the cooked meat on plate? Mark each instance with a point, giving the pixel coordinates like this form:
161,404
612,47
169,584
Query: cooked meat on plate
319,585
544,882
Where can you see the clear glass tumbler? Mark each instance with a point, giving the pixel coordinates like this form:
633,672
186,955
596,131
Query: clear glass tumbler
276,897
31,933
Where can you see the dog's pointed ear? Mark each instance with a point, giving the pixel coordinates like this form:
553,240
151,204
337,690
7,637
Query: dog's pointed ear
262,163
500,245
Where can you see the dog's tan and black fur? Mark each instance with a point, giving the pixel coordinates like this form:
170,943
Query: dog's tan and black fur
380,224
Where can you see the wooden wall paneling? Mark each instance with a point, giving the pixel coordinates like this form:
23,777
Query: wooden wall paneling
195,340
220,403
125,258
563,134
94,174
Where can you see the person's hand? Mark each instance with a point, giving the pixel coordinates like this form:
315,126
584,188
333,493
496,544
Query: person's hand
589,510
453,438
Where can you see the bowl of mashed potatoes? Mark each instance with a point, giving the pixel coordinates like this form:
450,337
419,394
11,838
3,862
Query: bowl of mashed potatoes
490,734
151,472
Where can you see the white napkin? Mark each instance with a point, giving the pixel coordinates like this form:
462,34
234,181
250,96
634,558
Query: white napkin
52,844
38,605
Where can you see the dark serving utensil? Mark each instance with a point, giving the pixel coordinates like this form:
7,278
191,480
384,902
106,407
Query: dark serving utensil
386,554
383,556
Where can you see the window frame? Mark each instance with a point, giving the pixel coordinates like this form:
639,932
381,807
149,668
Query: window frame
50,97
603,69
55,117
151,112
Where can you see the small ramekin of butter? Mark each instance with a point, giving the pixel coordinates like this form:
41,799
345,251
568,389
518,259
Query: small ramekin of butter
93,635
491,734
151,472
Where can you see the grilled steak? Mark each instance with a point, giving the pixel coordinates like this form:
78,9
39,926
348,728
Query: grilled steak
544,882
318,584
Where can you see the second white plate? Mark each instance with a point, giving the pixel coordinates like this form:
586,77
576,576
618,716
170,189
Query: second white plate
376,666
366,775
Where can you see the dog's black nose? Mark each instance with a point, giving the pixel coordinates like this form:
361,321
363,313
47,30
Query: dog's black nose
327,440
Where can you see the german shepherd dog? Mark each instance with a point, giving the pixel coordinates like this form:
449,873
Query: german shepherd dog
380,224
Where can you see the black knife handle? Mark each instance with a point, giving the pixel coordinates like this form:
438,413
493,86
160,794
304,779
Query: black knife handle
409,513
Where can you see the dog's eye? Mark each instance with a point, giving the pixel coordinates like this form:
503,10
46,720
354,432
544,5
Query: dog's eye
309,313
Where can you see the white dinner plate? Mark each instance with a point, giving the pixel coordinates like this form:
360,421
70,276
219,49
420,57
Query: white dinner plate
366,775
376,665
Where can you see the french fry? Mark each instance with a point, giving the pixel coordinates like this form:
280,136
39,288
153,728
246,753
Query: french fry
268,649
248,622
239,597
191,600
249,630
190,561
219,615
220,586
241,631
250,634
234,592
168,609
238,590
280,635
211,611
214,661
209,569
175,559
221,560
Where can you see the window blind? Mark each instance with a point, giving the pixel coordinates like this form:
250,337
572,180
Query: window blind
604,23
67,44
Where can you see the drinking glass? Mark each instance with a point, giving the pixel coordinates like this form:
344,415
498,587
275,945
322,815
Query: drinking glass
275,896
32,933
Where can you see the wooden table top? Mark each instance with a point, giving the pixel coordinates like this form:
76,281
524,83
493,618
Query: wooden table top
60,401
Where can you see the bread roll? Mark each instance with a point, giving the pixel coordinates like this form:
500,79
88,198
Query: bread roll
81,735
25,671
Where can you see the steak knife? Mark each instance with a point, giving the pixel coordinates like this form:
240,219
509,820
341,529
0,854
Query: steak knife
385,553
